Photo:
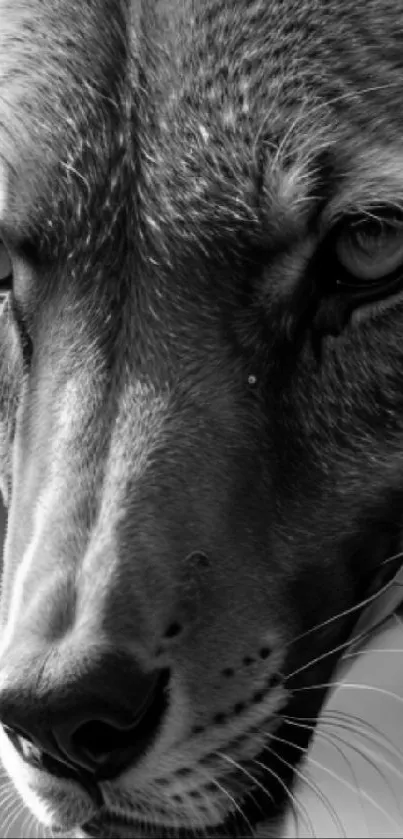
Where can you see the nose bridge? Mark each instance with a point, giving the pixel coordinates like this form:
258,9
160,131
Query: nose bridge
129,561
137,481
72,559
55,674
137,433
58,453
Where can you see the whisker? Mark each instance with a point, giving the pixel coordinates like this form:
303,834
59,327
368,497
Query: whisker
368,754
308,781
350,686
27,824
344,645
294,804
243,769
344,614
367,757
360,652
328,739
297,805
9,814
349,786
345,783
380,757
12,817
7,798
340,720
197,815
370,731
211,777
393,558
190,805
351,94
257,783
351,721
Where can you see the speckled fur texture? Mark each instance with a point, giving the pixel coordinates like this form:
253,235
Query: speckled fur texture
201,436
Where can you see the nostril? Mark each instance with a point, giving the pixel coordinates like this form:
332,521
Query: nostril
96,741
94,727
104,747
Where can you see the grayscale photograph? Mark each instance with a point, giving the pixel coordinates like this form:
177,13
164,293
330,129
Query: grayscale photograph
201,419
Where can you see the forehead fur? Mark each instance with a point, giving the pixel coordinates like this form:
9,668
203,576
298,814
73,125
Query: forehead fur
216,126
64,77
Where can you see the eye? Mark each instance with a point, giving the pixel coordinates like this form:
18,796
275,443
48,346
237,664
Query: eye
369,252
360,263
6,271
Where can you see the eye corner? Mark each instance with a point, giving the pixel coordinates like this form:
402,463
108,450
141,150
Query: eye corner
349,275
6,269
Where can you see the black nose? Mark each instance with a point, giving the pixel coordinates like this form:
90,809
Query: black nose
97,726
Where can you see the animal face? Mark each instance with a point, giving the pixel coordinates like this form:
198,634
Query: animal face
200,393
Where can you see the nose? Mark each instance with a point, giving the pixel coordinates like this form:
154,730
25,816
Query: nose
91,726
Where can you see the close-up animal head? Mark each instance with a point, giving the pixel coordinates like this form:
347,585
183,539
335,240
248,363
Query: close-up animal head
201,407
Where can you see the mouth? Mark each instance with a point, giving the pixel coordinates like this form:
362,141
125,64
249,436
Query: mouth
108,826
264,803
258,806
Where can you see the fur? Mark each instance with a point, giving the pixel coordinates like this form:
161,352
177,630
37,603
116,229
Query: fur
201,442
